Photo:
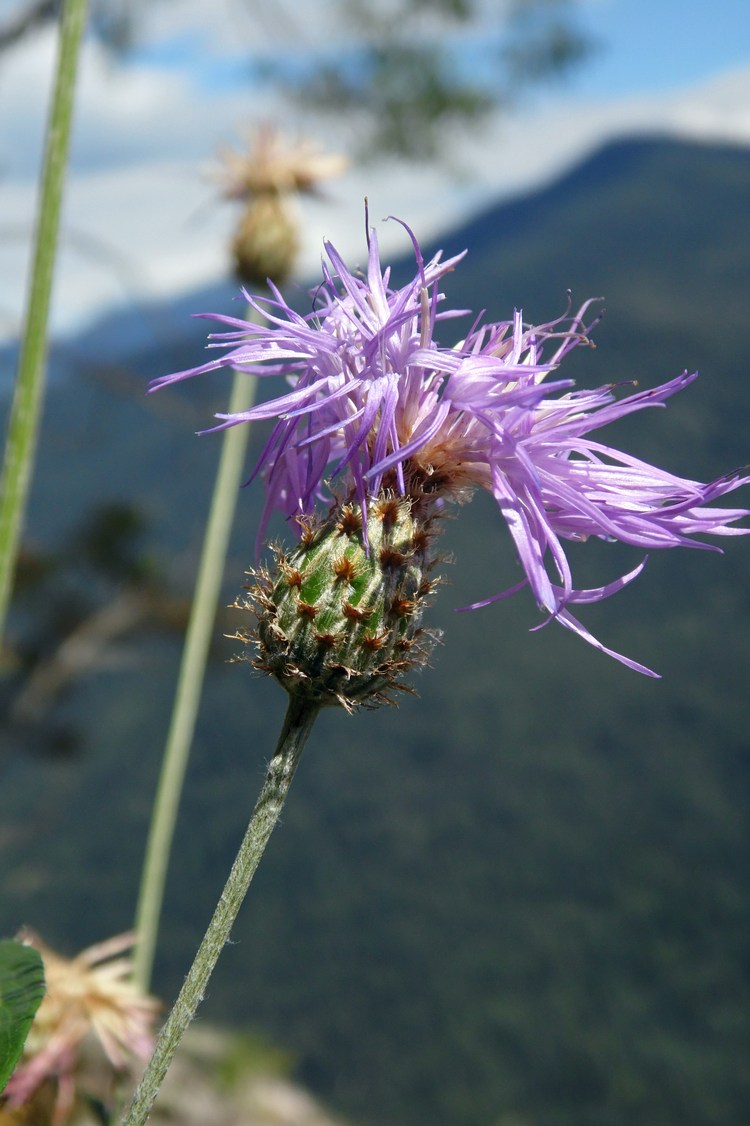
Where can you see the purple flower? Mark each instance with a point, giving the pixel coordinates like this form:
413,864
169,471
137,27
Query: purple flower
374,402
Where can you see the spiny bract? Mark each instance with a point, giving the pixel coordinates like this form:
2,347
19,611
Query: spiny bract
340,621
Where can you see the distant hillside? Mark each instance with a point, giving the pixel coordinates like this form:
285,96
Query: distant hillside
524,898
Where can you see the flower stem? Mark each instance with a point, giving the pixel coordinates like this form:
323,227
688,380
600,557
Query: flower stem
29,392
300,716
189,682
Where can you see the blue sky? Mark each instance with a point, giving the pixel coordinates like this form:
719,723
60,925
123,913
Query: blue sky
649,46
655,46
143,219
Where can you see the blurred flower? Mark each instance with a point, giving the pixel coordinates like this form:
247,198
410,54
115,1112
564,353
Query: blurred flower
266,179
275,163
91,1007
265,243
377,404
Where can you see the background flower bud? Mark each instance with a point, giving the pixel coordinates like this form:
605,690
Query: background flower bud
266,242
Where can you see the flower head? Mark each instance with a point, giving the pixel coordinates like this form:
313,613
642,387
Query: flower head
275,163
266,179
339,619
374,402
89,1000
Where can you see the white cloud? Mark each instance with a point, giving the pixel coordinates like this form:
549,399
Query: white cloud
141,219
25,85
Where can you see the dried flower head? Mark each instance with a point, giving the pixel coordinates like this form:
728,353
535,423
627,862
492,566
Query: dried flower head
274,163
91,1005
376,403
266,179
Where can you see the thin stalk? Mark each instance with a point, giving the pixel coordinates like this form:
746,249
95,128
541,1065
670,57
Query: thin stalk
190,682
28,397
298,723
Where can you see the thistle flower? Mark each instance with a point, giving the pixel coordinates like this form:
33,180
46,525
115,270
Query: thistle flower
376,404
90,1002
266,179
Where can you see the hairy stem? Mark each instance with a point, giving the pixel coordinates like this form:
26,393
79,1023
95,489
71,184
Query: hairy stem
300,716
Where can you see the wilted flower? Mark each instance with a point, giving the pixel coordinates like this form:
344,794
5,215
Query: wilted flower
275,163
266,179
91,1005
377,404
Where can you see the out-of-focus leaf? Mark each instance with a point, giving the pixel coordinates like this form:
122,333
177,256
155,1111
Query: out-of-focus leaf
21,992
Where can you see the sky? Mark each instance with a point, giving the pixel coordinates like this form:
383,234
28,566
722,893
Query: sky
143,218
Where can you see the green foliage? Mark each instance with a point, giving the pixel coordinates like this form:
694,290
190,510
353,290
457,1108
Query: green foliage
543,42
417,95
412,74
110,542
21,993
252,1053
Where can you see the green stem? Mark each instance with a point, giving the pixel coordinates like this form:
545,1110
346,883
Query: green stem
298,723
190,680
29,392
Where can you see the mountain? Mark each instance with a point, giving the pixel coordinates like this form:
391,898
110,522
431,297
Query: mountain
523,898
